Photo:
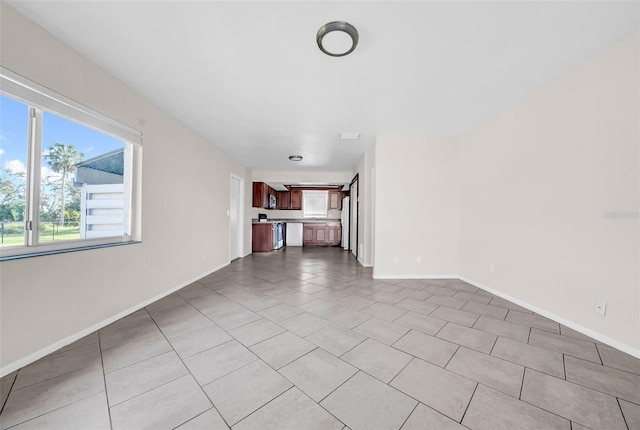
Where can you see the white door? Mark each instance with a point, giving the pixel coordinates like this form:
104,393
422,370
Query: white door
353,234
235,218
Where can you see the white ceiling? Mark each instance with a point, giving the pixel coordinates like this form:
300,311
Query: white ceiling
249,77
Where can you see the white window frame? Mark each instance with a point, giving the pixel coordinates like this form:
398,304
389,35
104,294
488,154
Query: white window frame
315,194
40,99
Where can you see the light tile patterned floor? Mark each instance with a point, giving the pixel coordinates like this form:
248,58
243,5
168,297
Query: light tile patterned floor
306,339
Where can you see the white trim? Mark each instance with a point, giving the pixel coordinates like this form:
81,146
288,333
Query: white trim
62,246
577,327
41,96
241,186
572,325
415,276
18,364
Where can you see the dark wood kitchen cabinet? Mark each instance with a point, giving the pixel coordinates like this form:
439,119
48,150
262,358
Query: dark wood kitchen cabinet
322,234
296,200
262,237
283,200
335,199
261,193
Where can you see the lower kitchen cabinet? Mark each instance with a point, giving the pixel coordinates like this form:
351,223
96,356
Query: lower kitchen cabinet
262,237
322,234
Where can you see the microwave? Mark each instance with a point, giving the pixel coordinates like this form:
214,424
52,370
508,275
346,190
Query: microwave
272,201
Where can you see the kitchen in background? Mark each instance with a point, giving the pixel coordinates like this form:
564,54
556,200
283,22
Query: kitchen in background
280,218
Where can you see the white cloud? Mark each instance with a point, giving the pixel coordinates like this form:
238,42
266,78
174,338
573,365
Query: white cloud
1,152
45,172
15,166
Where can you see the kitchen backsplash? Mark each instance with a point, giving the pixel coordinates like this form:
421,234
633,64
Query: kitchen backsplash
288,214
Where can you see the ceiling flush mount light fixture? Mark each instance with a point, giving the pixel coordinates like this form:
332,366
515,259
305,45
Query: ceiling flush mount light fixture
337,38
295,157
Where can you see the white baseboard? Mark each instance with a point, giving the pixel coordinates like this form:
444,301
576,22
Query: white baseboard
375,276
577,327
18,364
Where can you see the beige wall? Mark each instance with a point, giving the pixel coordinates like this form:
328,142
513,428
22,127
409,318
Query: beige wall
538,182
416,207
48,300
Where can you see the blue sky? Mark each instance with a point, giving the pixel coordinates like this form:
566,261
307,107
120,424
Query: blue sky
13,135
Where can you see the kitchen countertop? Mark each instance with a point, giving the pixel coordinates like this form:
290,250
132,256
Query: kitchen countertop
297,220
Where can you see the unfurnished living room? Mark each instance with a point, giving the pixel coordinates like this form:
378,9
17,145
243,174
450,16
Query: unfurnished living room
320,215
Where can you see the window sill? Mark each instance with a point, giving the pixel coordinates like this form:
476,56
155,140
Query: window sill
64,251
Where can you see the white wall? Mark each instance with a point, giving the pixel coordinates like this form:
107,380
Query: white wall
416,207
46,301
539,181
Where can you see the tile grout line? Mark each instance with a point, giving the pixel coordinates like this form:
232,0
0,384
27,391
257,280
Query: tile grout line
551,412
451,358
469,404
524,372
353,347
494,343
189,372
335,389
262,406
136,362
622,413
409,416
10,390
401,370
52,410
48,379
104,379
599,355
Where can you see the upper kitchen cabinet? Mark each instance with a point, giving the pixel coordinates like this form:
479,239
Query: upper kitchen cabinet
283,200
335,199
296,200
261,195
265,197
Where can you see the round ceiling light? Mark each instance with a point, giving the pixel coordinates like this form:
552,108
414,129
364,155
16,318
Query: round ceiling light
337,38
295,157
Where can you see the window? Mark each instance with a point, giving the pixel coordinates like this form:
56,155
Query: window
314,204
66,173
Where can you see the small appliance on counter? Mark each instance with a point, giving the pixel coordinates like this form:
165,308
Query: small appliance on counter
262,217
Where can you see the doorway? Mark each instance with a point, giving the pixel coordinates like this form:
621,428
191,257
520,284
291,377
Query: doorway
236,214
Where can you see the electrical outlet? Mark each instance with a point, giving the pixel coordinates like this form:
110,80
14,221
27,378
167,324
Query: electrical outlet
419,259
395,258
492,268
601,307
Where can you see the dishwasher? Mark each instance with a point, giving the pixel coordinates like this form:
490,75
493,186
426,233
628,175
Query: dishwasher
294,234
